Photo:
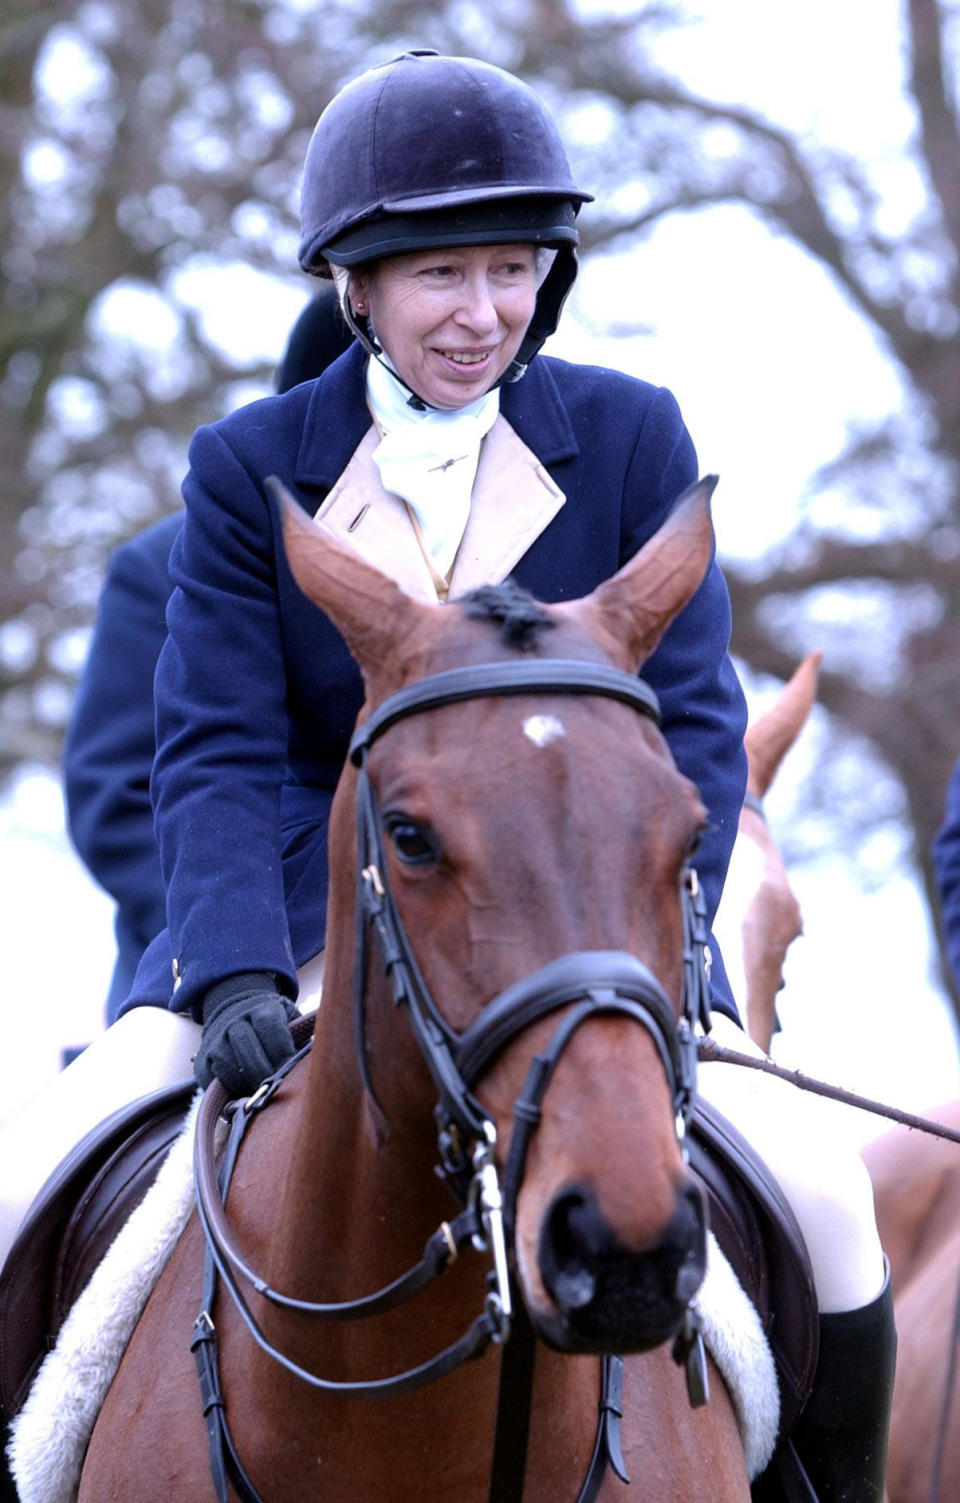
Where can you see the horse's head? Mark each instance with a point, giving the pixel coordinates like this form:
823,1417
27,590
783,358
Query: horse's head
531,834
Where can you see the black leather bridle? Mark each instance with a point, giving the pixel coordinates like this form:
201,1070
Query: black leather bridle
583,984
614,981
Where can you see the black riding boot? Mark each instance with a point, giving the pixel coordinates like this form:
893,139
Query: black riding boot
841,1436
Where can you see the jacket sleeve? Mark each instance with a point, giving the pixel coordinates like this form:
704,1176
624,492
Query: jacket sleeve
946,861
222,732
701,699
109,746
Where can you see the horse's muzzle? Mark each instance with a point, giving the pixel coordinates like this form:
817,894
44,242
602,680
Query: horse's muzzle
608,1298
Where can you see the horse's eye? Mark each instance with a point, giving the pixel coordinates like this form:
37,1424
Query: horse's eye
412,843
694,844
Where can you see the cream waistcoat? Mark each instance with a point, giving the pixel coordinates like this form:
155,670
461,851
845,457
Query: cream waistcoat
513,500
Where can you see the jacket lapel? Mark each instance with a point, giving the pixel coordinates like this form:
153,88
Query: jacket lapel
336,419
513,500
514,497
364,516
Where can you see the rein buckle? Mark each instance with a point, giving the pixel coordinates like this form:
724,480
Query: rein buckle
453,1161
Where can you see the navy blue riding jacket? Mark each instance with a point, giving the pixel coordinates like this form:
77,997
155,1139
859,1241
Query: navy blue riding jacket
257,694
109,747
110,743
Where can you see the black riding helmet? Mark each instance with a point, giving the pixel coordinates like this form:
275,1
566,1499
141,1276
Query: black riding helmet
429,151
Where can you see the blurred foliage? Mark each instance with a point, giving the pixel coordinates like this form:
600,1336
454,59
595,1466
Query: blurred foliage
148,144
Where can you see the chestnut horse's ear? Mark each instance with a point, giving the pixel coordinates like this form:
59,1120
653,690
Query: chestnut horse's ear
629,613
371,611
770,737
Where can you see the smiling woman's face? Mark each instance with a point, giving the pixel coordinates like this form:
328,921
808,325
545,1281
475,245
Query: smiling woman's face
450,320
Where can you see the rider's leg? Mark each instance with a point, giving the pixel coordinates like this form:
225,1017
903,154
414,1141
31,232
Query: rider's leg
143,1051
146,1049
841,1436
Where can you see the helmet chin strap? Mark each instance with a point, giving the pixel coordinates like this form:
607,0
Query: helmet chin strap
415,400
363,330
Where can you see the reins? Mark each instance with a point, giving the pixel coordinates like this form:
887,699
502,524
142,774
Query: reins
440,1252
581,984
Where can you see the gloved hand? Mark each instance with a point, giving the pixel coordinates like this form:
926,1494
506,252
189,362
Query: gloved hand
246,1032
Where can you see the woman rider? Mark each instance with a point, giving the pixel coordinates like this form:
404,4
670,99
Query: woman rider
437,194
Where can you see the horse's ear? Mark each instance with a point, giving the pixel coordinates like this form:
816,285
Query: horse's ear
371,611
630,612
770,737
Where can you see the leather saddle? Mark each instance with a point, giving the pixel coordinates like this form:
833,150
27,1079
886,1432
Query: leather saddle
71,1224
86,1201
760,1236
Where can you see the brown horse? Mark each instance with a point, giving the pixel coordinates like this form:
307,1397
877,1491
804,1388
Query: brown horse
916,1181
916,1177
516,821
759,915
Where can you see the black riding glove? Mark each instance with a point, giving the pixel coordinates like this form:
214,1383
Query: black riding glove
246,1032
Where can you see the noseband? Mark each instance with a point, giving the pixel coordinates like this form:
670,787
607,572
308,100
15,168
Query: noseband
584,984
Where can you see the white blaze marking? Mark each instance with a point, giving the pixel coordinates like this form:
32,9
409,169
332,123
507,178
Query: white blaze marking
543,728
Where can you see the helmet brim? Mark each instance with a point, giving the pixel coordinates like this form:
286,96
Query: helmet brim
429,223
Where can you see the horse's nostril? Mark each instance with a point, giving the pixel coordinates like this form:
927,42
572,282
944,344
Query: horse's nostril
574,1237
605,1292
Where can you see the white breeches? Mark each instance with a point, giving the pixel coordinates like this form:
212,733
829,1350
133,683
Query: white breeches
805,1141
143,1051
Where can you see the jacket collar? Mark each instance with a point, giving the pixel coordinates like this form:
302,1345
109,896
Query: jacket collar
534,408
337,418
